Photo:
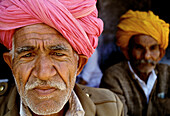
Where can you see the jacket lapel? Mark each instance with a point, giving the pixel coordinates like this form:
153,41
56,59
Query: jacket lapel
88,105
12,104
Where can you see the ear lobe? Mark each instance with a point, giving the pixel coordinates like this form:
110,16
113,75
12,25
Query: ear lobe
82,61
162,53
8,58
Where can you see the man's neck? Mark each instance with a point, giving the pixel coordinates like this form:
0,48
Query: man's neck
142,76
61,113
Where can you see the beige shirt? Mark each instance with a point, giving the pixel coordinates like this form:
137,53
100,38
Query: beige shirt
75,107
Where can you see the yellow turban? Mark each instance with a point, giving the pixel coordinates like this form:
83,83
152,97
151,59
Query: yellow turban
137,22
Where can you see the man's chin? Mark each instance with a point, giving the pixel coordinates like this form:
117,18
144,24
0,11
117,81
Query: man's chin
47,108
146,69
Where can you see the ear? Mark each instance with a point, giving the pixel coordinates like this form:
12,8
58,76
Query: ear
8,58
162,53
82,61
126,53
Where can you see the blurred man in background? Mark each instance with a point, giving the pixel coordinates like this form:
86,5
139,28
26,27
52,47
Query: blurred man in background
141,82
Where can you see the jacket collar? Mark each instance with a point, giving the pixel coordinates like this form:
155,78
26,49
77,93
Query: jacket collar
88,105
12,106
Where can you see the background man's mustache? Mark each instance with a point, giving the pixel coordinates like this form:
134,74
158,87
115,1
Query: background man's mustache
146,61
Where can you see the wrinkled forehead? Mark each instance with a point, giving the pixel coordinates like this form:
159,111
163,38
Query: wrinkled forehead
36,28
143,40
32,34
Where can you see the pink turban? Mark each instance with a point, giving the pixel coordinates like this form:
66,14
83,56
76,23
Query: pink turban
76,20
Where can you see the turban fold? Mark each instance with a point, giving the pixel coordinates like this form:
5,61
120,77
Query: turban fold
76,20
138,22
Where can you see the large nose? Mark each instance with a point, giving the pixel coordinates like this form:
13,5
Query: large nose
44,68
147,54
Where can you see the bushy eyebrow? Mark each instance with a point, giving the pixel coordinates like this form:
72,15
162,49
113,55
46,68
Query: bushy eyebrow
58,47
19,50
138,45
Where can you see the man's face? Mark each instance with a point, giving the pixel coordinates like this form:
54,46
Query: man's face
144,53
44,67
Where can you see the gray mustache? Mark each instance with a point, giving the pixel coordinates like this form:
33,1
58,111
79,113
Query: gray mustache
146,61
37,82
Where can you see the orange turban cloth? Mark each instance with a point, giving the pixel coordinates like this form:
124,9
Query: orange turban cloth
137,22
76,20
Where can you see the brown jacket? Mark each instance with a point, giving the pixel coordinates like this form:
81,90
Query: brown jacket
101,102
119,79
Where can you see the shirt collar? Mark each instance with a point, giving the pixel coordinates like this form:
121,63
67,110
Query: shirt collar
137,77
75,107
147,87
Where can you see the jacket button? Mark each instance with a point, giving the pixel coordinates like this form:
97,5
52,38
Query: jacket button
87,95
2,88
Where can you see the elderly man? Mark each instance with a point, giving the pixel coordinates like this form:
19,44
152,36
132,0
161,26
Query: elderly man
50,41
140,82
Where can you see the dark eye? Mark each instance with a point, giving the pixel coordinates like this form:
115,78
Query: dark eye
138,47
57,54
27,55
154,47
